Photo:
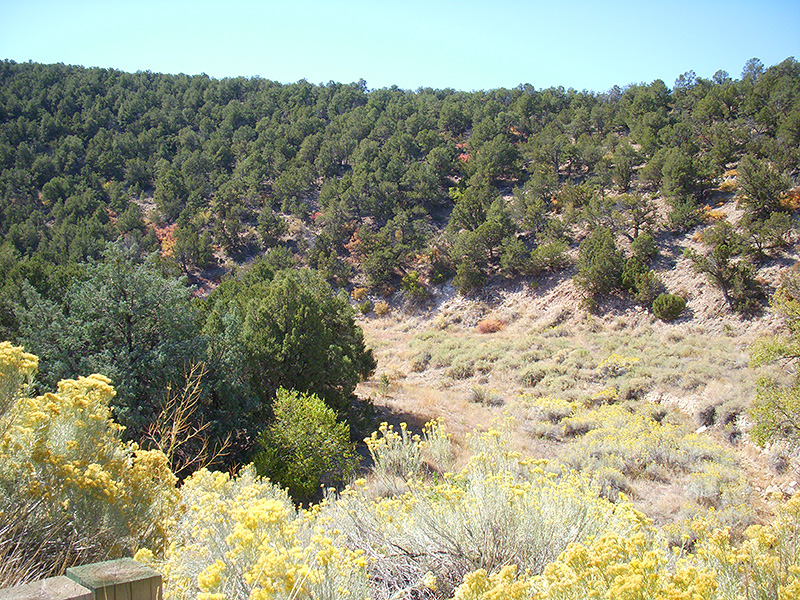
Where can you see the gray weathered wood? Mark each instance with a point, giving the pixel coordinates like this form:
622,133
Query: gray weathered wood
122,579
53,588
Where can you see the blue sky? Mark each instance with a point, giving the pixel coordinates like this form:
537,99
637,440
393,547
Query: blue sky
466,45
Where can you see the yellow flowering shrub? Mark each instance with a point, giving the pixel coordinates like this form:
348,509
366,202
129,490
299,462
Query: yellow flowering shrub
501,509
764,565
63,465
504,584
241,537
16,373
640,447
548,408
400,456
396,456
504,527
635,565
606,396
437,447
631,567
726,186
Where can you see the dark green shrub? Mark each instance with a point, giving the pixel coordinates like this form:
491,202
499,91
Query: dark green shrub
668,307
642,283
480,395
761,186
549,257
644,247
599,263
413,287
469,278
684,214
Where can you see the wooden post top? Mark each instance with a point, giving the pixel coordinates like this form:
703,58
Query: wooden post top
61,587
122,579
111,572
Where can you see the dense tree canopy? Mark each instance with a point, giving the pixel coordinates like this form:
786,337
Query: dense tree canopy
90,152
122,317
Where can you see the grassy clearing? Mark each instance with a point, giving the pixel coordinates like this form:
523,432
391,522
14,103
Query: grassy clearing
616,397
570,361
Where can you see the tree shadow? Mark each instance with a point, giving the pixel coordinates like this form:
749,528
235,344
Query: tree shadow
373,418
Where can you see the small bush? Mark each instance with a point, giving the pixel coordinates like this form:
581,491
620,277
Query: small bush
606,396
578,426
668,307
480,395
612,483
491,326
382,308
396,456
684,214
707,415
384,384
553,410
437,447
647,287
359,294
599,263
707,487
728,412
421,362
365,307
549,257
305,447
634,388
413,286
590,305
461,370
711,214
790,200
779,461
616,365
644,247
532,376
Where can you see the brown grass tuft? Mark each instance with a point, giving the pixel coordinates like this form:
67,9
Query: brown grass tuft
491,326
791,200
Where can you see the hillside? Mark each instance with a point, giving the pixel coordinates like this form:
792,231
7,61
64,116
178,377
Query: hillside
553,299
472,362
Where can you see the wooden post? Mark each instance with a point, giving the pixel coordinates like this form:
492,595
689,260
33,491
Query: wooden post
53,588
122,579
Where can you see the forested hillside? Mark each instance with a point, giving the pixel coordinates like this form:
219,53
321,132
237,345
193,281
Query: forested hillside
383,187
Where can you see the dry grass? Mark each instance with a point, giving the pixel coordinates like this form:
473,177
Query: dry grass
31,549
491,326
382,308
791,201
558,360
